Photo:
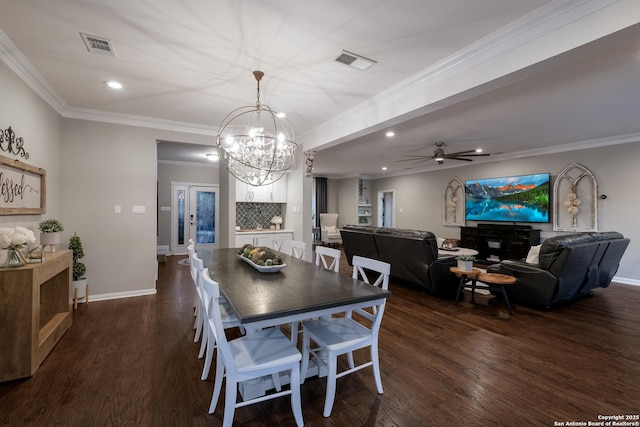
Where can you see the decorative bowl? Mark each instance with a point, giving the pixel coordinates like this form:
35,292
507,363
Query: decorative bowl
263,268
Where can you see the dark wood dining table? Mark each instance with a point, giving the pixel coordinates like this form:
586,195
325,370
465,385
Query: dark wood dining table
300,291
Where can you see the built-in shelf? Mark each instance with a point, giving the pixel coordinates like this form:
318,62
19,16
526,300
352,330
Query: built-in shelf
364,205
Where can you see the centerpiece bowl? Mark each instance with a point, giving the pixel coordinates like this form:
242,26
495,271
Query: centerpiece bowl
261,258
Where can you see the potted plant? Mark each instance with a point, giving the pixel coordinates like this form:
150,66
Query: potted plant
80,287
465,262
50,233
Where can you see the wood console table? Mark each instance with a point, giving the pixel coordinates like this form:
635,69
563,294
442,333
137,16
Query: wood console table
35,311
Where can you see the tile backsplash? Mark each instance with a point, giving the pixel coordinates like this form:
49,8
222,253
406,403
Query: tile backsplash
254,215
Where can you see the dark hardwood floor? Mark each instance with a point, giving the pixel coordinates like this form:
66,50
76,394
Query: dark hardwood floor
133,362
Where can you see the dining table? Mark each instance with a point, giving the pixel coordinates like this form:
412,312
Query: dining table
299,291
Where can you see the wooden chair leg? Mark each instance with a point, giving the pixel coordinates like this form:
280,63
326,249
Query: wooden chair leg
75,299
86,294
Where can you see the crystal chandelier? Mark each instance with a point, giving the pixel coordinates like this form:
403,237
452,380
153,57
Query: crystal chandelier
254,144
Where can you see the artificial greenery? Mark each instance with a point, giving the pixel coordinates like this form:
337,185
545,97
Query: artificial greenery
75,245
50,226
466,258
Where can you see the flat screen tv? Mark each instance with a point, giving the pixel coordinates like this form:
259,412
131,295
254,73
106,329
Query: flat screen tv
523,198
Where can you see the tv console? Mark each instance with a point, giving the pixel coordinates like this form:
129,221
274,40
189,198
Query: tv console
497,242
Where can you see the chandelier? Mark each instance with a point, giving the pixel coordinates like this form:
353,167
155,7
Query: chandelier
254,144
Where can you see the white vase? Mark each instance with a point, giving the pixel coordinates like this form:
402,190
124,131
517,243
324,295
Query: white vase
81,286
80,292
465,265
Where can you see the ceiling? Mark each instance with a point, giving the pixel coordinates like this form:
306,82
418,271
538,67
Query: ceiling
185,65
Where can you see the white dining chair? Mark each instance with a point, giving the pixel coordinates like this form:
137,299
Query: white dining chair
191,250
343,335
298,249
277,243
229,320
328,258
264,352
194,265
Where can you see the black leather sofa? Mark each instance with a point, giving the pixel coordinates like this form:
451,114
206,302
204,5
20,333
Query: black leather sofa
413,255
570,267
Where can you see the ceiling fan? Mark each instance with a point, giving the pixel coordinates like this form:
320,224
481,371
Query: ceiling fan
439,155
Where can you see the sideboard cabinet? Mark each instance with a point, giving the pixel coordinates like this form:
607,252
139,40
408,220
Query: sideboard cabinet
35,312
497,242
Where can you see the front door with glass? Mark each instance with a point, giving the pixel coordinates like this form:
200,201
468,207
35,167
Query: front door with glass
195,216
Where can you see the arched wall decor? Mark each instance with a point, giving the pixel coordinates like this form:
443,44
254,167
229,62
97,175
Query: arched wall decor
453,203
575,200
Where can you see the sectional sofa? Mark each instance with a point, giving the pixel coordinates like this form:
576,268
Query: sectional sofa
413,255
569,267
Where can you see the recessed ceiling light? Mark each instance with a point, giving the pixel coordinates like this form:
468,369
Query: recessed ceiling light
384,168
390,134
113,85
478,150
281,115
213,157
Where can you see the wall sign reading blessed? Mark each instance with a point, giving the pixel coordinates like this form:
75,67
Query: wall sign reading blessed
22,188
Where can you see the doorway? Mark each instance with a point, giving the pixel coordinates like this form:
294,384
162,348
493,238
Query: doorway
386,208
194,216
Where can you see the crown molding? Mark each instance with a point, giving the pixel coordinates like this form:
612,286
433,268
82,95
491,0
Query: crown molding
397,99
139,121
534,25
20,65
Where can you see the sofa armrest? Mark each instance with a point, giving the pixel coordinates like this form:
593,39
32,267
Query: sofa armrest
534,286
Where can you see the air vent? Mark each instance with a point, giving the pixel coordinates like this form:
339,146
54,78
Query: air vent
98,45
355,61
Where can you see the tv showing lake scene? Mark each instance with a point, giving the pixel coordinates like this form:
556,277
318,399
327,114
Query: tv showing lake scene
523,198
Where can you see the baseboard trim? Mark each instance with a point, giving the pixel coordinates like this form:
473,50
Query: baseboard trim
118,295
626,281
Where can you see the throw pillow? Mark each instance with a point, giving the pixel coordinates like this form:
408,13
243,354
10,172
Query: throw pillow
331,229
533,255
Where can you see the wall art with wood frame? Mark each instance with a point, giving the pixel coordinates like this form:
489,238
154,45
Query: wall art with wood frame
22,188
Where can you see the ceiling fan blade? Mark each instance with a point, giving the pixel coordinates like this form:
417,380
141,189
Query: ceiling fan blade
414,158
474,155
461,153
459,158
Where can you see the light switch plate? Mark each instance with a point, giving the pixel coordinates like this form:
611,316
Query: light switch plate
137,209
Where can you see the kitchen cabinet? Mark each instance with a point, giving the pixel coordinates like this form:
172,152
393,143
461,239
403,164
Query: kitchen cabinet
271,193
266,238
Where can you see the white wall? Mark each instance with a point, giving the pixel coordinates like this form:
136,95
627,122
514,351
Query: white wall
40,127
105,165
419,196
